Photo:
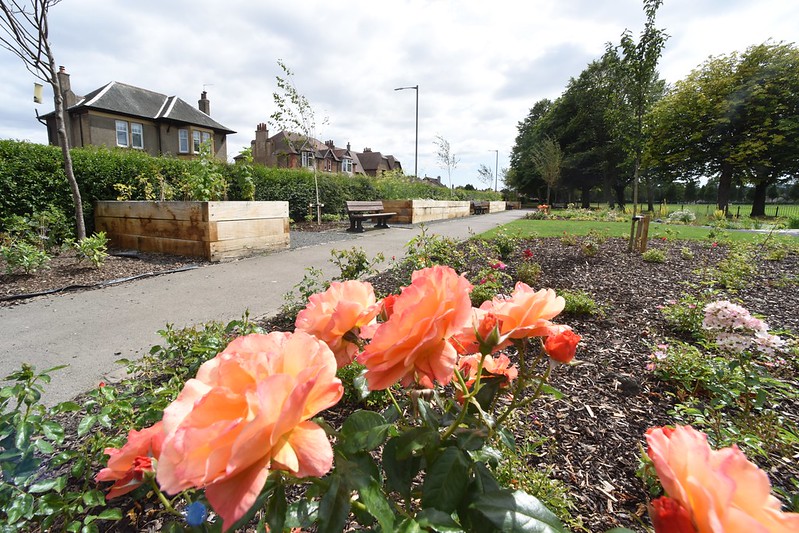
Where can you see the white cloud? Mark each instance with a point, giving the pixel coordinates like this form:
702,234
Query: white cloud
480,66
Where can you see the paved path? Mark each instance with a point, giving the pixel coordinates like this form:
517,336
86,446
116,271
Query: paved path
90,330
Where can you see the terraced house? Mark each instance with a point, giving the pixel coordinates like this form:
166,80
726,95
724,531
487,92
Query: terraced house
121,115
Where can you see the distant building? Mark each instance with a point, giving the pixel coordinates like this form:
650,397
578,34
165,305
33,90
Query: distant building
121,115
292,150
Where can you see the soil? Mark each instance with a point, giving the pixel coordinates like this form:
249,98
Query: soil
591,439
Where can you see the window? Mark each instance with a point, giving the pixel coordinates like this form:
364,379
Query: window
206,137
346,165
122,133
136,135
196,138
308,159
183,141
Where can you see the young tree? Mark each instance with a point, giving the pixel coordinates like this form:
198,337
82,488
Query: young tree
25,33
446,159
547,158
486,175
296,115
640,85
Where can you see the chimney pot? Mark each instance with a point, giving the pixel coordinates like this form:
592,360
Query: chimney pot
204,103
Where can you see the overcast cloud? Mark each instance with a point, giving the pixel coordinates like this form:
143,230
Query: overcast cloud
480,66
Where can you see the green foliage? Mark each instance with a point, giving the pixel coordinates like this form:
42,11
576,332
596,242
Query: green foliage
654,255
488,283
793,222
567,239
682,217
205,180
354,263
93,249
686,253
356,393
23,256
425,250
529,272
579,302
734,271
507,243
686,314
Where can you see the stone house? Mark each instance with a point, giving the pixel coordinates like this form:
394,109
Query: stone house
121,115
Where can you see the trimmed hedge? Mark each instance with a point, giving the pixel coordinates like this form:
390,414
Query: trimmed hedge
32,180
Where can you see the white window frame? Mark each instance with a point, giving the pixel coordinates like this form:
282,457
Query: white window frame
346,165
183,141
137,135
196,142
308,159
121,130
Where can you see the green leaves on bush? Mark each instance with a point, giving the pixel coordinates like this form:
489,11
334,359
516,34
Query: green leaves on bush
93,249
23,256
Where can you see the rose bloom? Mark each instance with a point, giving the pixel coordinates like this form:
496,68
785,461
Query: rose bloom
720,489
668,516
345,306
468,340
561,344
128,465
497,366
247,412
413,344
526,313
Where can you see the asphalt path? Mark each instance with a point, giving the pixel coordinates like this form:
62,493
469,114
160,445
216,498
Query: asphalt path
90,330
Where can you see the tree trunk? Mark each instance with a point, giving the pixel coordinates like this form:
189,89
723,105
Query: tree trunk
548,191
63,141
759,201
586,197
725,185
650,194
619,190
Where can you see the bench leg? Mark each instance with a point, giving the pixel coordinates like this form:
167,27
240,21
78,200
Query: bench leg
381,223
356,225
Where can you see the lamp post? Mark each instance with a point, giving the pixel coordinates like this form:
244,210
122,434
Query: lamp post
416,153
496,170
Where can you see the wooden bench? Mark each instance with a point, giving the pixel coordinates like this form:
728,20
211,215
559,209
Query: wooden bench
480,206
358,211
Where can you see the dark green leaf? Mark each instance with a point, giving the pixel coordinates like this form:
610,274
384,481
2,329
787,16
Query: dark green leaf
507,438
24,432
437,521
44,486
44,446
361,385
276,508
552,391
86,424
375,501
517,512
416,439
429,416
409,525
399,472
470,439
363,430
446,481
91,527
21,507
93,498
483,480
110,514
301,514
334,507
173,527
53,431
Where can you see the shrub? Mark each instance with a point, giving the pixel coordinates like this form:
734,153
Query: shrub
579,302
529,272
93,248
685,315
686,253
654,255
23,256
354,263
683,217
793,222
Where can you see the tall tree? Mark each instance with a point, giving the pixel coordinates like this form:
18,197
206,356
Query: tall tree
522,175
26,34
640,83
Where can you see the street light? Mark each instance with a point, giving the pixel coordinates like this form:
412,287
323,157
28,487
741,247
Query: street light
496,170
416,153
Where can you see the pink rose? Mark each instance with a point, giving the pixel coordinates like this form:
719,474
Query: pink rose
413,344
720,489
128,465
247,412
344,307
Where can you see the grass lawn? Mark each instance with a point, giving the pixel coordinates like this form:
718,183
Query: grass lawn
555,228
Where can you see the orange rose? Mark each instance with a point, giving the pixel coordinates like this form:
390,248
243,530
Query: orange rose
247,412
496,366
526,313
482,331
561,344
344,307
413,344
128,465
720,489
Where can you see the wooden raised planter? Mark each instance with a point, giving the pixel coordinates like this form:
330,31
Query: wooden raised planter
213,230
416,211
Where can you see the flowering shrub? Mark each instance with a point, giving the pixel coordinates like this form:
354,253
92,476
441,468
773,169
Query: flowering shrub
683,217
734,329
710,490
241,431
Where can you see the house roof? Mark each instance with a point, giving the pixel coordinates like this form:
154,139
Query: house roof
137,102
371,160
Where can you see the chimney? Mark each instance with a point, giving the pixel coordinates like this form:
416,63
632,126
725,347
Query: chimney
204,103
260,147
367,149
329,144
66,88
348,147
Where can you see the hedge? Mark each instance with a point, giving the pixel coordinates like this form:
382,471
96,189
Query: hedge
32,180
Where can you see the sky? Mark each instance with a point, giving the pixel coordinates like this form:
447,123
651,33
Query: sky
480,66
